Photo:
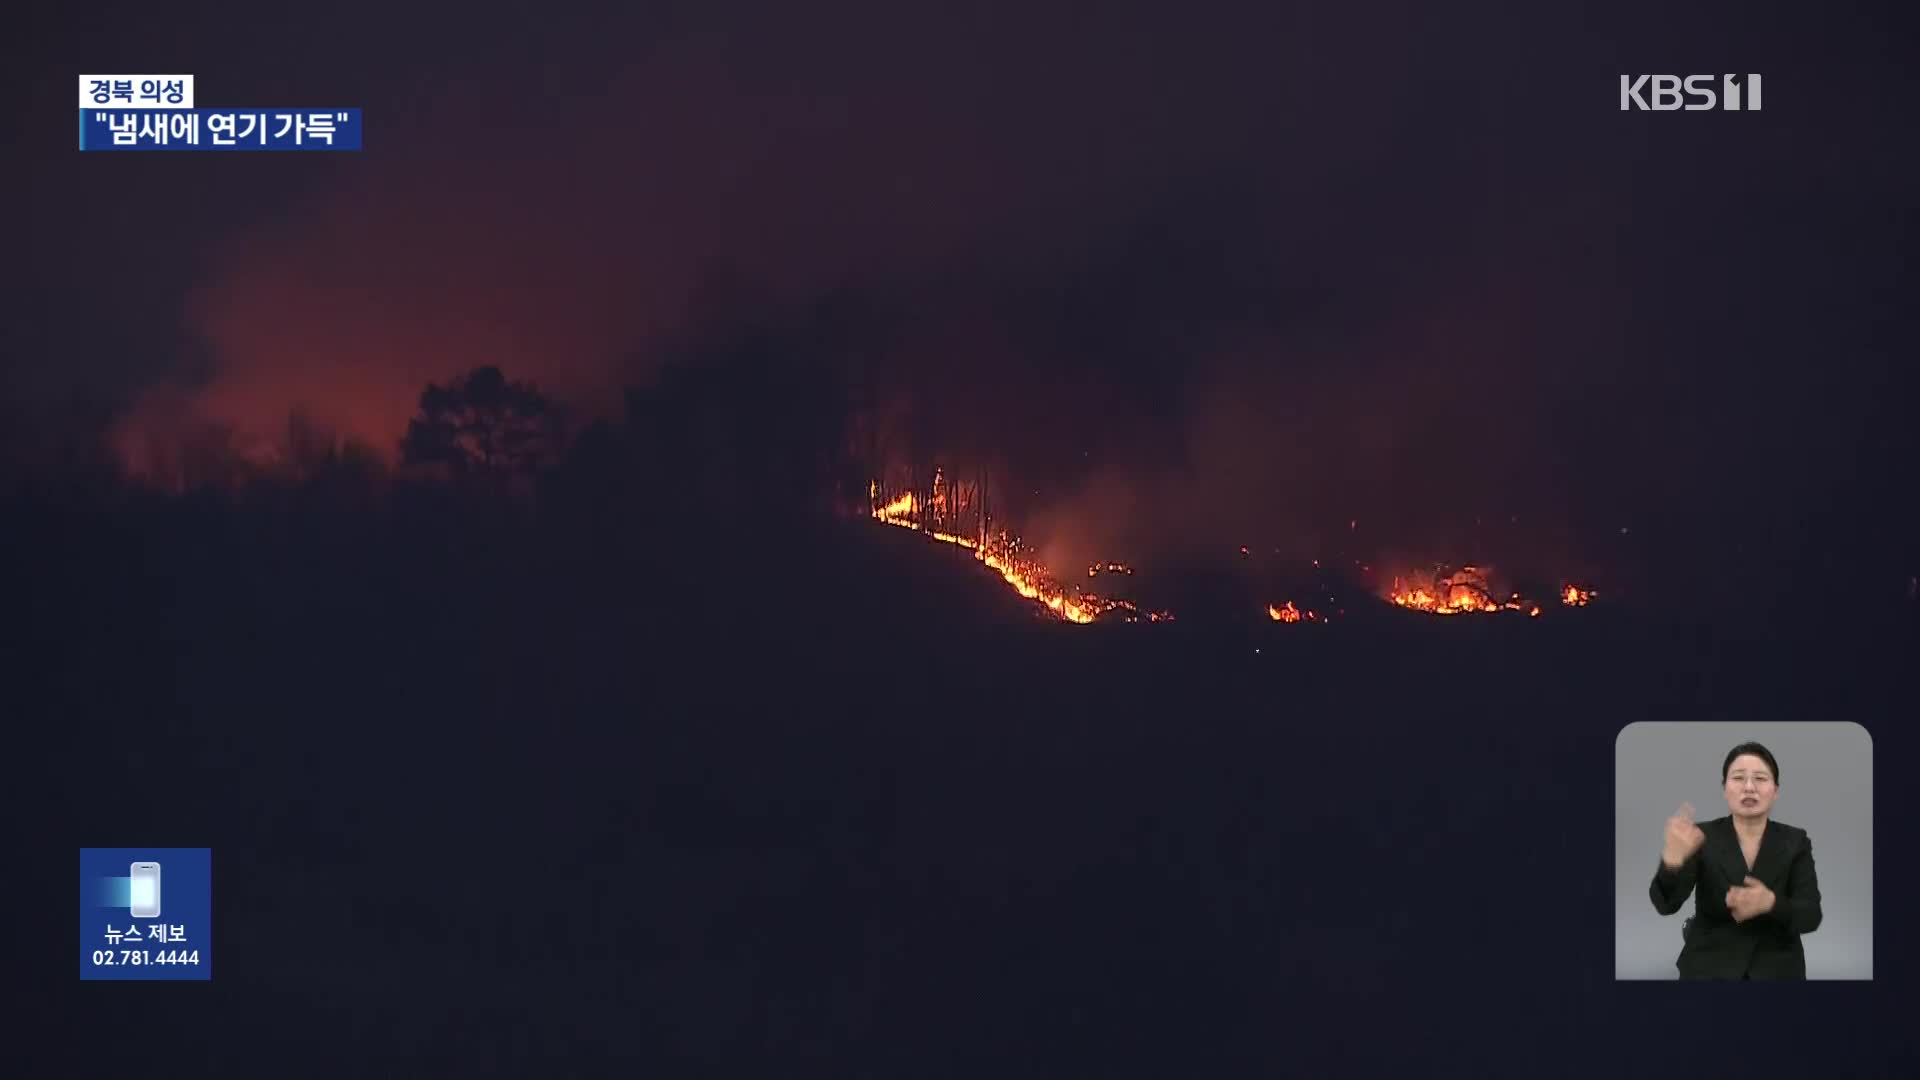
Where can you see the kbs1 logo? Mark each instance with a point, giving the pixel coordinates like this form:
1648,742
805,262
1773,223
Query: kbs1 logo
1668,93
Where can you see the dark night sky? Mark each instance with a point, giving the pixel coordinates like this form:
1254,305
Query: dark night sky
1359,259
614,781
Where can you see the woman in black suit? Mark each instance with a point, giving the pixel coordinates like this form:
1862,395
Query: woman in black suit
1752,879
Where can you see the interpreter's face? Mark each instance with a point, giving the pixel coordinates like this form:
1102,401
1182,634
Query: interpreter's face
1750,786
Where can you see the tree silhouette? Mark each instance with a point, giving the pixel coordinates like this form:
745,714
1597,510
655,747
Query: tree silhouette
483,423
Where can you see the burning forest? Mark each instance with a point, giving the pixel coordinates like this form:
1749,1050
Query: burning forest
1466,590
957,513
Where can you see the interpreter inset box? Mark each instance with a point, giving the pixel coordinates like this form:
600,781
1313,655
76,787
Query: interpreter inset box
1743,850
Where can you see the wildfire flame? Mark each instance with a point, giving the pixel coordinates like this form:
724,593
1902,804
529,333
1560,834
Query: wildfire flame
898,511
1290,612
1465,591
1002,555
1442,602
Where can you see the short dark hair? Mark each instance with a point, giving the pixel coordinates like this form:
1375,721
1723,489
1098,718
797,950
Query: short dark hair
1756,750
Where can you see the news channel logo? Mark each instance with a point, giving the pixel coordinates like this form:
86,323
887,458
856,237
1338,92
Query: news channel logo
146,914
157,112
1689,93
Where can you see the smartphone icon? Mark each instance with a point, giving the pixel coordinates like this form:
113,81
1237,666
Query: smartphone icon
146,890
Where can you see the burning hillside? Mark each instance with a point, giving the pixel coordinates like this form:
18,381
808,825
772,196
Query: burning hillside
954,515
1001,553
1007,555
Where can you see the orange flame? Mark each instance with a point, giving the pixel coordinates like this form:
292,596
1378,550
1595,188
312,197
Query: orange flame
898,511
1464,591
1001,554
1290,612
1452,601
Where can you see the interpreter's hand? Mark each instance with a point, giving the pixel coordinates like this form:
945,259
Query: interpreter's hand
1748,900
1683,838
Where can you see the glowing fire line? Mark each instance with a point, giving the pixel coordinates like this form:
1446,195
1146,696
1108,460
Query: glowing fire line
1028,579
1464,593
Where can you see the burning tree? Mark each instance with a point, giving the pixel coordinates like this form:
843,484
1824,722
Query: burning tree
1456,591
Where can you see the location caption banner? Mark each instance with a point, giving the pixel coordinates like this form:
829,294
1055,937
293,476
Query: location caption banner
136,91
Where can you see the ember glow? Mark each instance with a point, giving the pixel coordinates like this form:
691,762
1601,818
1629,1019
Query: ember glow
1575,596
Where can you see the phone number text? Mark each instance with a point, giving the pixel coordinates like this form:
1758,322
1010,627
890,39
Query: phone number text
136,957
